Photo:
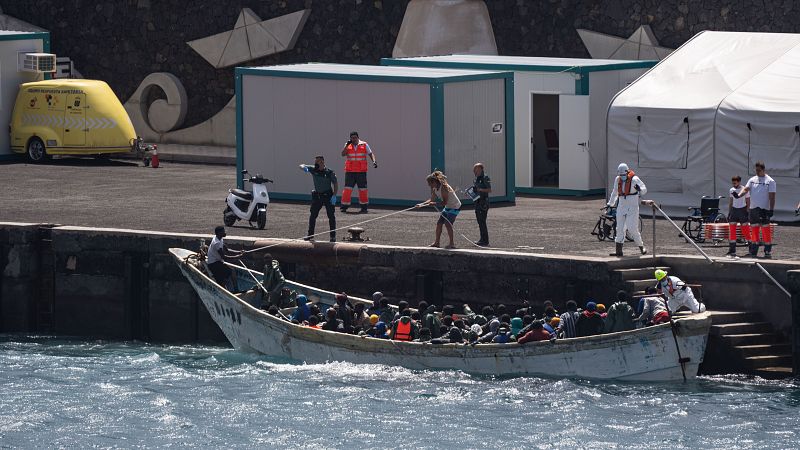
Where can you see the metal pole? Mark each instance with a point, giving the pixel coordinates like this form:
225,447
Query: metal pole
654,232
688,239
773,279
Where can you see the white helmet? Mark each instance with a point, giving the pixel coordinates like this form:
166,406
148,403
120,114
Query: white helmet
622,169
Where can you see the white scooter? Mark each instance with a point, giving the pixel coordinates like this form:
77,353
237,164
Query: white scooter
250,206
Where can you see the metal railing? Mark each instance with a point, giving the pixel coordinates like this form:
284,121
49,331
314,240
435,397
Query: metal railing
711,260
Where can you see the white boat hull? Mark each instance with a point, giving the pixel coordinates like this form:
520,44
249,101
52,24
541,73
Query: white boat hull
647,354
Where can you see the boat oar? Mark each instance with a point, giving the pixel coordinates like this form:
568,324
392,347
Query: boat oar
681,360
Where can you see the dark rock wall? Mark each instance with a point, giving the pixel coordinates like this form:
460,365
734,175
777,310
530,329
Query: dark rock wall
123,41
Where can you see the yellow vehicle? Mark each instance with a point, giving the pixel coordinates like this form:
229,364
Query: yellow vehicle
69,117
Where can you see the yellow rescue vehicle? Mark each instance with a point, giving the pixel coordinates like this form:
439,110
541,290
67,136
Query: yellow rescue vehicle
69,117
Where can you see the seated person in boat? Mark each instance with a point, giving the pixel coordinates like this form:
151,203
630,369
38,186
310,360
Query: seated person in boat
552,325
549,311
332,323
370,329
218,253
430,320
474,333
503,335
589,322
654,310
302,312
537,333
273,280
516,326
379,331
568,320
344,312
313,322
424,335
360,318
380,306
620,315
453,336
601,309
494,325
404,329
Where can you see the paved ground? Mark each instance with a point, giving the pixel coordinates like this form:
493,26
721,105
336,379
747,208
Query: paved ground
189,198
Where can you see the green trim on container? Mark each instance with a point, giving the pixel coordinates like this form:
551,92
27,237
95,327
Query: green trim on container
437,126
582,84
510,144
277,72
557,191
430,63
23,36
239,129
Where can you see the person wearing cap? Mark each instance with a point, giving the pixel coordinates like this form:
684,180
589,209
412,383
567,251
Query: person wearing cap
503,335
654,310
589,322
678,293
302,312
356,152
620,315
601,309
324,194
626,191
762,189
216,255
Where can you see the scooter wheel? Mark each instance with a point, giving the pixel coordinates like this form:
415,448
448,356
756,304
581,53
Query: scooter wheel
262,220
229,219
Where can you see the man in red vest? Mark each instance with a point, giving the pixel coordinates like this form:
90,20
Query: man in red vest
356,152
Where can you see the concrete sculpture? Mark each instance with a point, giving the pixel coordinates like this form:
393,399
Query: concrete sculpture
641,45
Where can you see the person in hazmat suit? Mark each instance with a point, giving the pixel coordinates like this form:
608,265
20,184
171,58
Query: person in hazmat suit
625,193
677,292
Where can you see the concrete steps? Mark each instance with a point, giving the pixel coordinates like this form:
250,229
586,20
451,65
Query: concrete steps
640,273
759,350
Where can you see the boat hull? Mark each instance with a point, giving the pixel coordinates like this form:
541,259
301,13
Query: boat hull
647,354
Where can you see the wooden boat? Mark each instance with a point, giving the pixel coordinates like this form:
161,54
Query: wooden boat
646,354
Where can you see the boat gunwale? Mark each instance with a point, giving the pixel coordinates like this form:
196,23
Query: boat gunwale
693,325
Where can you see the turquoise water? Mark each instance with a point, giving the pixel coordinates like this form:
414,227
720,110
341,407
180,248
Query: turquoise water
79,394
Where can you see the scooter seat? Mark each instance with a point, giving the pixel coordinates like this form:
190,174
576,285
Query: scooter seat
242,194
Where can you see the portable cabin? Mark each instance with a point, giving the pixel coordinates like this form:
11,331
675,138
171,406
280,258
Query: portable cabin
709,111
559,115
414,119
24,58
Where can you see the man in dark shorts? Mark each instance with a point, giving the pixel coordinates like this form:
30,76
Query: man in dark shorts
738,206
356,153
324,194
215,258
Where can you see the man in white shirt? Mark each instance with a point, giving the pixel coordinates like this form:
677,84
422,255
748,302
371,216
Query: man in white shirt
738,209
215,258
762,189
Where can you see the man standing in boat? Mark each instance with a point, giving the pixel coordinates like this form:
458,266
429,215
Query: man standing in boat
215,258
324,194
625,193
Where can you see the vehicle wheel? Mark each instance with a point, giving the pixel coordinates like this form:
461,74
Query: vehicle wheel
262,220
228,217
36,151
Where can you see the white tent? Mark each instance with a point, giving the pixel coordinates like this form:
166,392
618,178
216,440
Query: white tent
707,112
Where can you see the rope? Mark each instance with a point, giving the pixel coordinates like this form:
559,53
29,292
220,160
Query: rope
329,231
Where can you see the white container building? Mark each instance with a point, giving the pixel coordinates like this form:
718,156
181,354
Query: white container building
560,107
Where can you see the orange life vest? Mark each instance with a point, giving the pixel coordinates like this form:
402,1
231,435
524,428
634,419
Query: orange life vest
356,158
627,190
402,331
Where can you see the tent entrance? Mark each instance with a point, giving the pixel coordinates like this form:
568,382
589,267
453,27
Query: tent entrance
544,139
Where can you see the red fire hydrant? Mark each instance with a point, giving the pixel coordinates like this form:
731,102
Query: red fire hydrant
154,161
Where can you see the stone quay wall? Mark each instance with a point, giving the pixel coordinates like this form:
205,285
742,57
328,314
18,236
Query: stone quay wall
121,42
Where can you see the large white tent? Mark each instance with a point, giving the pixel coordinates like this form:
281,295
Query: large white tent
709,111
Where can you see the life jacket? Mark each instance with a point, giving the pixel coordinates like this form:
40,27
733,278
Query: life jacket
402,331
356,158
627,189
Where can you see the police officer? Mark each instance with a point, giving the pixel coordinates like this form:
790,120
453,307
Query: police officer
482,187
324,194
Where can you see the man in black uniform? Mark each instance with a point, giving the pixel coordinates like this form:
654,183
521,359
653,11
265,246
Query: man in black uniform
481,188
324,194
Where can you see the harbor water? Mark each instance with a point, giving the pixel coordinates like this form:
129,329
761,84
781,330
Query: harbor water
57,393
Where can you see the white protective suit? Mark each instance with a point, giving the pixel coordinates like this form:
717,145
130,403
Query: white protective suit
679,294
627,209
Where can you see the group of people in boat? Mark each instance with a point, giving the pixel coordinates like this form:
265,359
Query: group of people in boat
493,324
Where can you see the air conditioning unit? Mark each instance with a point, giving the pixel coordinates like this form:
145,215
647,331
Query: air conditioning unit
36,62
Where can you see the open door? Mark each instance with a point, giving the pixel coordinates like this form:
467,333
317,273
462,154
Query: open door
574,161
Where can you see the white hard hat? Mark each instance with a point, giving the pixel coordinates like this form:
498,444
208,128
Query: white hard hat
622,169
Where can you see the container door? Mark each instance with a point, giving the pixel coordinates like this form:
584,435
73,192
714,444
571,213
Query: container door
574,159
75,121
